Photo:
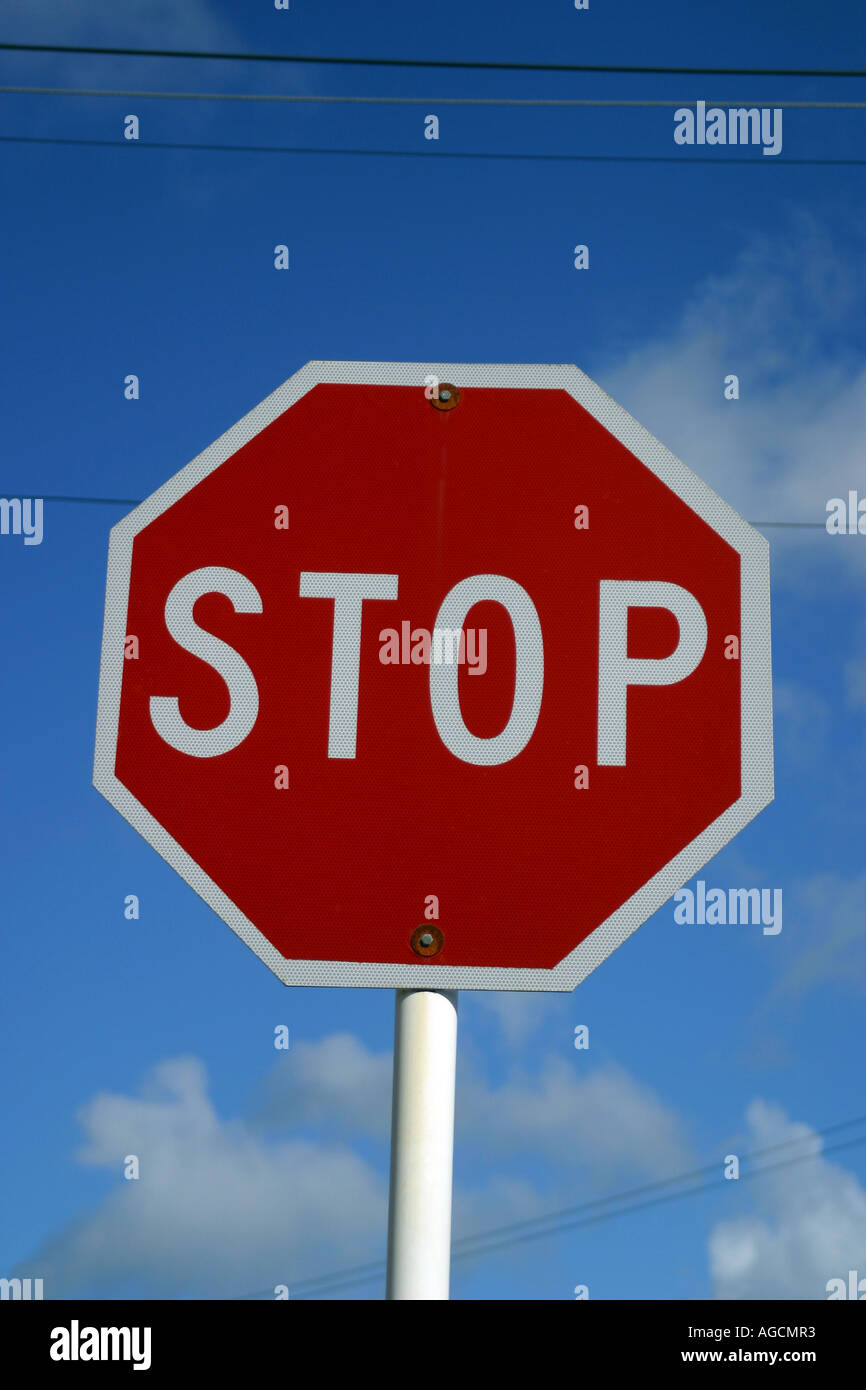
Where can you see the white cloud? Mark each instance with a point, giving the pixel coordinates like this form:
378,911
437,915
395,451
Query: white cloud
794,438
832,922
809,1226
518,1013
334,1082
496,1201
222,1208
603,1120
558,1111
216,1211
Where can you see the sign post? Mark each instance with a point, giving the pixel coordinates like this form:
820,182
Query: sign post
434,677
422,1144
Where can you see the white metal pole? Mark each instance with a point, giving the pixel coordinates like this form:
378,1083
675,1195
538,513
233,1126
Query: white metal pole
422,1144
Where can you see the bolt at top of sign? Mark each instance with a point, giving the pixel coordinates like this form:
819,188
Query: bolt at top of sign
310,736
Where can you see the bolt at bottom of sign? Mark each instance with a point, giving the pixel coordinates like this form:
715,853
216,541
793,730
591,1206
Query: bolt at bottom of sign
427,941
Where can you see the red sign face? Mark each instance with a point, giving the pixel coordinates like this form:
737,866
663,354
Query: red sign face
451,691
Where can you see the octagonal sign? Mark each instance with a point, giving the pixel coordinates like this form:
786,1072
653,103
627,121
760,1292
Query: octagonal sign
436,675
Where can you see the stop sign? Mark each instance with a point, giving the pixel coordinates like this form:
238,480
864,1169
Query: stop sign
436,675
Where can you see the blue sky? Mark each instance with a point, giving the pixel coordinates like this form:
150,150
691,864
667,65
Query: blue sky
155,1036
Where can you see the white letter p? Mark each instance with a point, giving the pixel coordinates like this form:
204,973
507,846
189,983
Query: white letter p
617,670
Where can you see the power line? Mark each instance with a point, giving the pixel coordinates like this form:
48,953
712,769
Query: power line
136,502
108,501
423,101
536,1228
654,1201
451,64
420,154
708,1170
585,1221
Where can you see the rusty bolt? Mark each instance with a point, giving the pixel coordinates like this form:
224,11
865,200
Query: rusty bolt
427,941
448,399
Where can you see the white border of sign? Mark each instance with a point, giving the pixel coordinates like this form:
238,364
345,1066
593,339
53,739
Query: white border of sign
756,703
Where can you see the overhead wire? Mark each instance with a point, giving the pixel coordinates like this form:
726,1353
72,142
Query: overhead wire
101,50
425,101
535,1228
724,161
136,502
586,1213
